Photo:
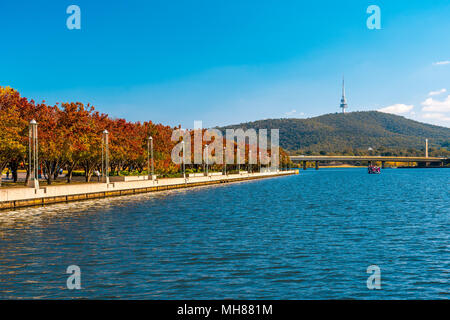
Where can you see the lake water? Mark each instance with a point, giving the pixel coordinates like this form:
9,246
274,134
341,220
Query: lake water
309,236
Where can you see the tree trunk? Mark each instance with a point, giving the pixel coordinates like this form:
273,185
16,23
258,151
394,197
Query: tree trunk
49,177
14,166
70,167
56,174
86,171
2,167
88,167
27,178
69,174
50,168
48,172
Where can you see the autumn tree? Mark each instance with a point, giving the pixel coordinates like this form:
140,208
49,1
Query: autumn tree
12,129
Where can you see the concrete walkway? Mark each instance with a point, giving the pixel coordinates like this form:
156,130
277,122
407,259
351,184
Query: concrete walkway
19,197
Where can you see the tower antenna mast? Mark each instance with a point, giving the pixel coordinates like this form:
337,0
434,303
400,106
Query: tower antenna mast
343,105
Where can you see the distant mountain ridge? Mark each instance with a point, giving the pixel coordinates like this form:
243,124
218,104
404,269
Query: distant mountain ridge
352,131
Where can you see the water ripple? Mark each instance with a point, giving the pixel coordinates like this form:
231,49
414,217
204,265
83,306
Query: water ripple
310,236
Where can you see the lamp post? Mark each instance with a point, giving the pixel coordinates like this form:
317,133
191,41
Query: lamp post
249,165
33,157
239,160
224,161
184,167
260,162
106,144
269,163
207,162
148,158
204,160
103,157
150,155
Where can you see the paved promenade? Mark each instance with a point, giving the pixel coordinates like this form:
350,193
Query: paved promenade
22,197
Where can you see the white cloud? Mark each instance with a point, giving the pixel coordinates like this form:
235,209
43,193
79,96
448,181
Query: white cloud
433,111
291,113
440,63
433,105
437,116
397,108
294,112
435,93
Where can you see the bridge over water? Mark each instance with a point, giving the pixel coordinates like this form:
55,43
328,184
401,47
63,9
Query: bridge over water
421,161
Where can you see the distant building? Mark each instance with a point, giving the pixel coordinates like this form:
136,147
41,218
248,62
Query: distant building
343,105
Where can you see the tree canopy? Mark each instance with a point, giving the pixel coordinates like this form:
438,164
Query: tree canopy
70,137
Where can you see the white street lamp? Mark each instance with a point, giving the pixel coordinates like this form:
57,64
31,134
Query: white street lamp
224,160
106,144
184,167
239,160
260,162
204,160
207,157
249,157
150,155
33,157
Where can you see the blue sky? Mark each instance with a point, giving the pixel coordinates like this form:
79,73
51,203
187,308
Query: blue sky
228,62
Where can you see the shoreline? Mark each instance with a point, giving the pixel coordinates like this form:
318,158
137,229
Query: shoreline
12,198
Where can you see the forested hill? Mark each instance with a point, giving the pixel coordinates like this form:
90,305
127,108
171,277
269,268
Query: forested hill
350,132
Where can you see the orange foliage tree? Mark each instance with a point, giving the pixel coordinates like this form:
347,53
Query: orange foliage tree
70,138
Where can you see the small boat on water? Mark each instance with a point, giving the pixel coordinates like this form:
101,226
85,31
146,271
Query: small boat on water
373,170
